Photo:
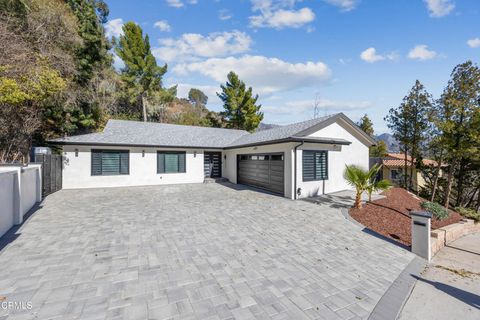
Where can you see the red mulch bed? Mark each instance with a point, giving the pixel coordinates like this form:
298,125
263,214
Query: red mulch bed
390,216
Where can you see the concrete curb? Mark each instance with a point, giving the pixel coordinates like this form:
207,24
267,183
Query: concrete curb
391,303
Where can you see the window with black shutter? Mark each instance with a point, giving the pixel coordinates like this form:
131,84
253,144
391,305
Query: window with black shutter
171,162
110,162
315,165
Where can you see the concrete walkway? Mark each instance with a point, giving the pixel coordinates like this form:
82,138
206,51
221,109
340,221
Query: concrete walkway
192,252
450,287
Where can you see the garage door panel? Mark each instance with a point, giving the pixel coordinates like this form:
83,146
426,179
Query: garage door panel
260,170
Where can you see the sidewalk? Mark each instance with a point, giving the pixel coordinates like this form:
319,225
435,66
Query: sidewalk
450,286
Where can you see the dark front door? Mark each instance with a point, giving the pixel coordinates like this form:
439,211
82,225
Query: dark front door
212,164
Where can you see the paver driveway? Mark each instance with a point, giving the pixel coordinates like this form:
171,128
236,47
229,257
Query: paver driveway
193,252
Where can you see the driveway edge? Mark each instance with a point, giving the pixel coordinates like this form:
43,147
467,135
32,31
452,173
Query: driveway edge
391,303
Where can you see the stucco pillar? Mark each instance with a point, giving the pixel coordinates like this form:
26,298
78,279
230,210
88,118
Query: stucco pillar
421,225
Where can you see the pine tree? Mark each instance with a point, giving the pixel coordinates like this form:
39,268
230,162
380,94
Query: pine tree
141,74
241,110
409,123
366,125
380,149
459,124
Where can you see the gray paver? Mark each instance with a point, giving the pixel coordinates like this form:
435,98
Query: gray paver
194,252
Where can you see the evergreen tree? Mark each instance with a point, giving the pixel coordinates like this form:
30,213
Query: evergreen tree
409,123
197,97
141,73
459,123
241,110
366,125
92,54
379,150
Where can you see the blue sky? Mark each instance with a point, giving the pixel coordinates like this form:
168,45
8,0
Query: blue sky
351,56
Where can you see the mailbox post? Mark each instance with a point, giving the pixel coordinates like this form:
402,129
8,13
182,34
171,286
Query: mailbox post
421,225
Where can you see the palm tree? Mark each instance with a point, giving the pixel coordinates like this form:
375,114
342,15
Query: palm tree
364,180
377,185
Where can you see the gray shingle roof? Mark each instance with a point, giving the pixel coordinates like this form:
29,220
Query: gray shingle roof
121,132
278,133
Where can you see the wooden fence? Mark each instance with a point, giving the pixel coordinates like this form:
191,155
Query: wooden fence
51,172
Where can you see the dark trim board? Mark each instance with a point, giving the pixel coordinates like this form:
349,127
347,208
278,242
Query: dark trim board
291,139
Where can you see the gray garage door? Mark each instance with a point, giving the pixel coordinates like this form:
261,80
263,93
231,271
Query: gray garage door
262,170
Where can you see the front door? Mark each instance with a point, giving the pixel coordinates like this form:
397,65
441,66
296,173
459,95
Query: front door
212,162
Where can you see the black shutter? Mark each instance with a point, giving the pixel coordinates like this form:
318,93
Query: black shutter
321,165
96,163
124,162
160,162
181,162
308,166
315,165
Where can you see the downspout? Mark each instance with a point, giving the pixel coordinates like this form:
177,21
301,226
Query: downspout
295,170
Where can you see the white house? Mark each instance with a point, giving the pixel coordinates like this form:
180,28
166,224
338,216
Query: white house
297,160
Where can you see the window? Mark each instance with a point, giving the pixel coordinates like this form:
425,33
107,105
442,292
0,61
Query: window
315,165
396,174
171,162
110,162
276,157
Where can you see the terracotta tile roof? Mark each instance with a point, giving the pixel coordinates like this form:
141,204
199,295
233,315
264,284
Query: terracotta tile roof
398,160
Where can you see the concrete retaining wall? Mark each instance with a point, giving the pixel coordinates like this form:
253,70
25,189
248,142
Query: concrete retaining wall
443,236
20,189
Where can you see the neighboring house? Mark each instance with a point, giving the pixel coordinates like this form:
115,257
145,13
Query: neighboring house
297,160
393,166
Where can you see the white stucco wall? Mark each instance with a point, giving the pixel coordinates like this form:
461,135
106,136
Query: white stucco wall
143,170
338,156
28,185
7,180
20,189
229,169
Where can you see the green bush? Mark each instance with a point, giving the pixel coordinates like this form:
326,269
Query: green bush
468,213
437,210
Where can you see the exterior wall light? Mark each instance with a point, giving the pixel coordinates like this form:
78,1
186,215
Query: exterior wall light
194,154
76,153
143,153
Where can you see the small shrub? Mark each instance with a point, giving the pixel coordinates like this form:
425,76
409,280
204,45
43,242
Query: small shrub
437,210
469,213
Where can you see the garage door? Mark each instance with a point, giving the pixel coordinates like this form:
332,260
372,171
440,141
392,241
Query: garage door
262,170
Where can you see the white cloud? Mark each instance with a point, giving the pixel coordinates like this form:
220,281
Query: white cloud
474,43
370,55
283,19
345,5
224,14
421,52
180,3
113,28
279,14
439,8
299,106
193,45
265,75
163,25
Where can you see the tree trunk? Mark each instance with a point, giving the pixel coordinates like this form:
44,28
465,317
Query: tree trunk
478,201
435,181
405,171
460,184
449,184
358,200
144,108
